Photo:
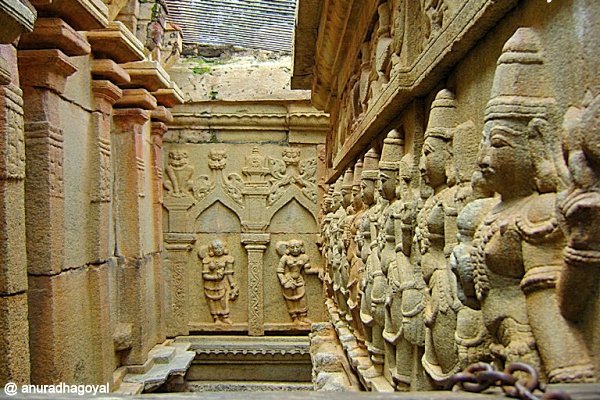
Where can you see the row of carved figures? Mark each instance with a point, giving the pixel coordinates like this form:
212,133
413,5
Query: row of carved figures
498,269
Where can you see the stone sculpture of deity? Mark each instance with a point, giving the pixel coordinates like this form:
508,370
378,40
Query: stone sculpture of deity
436,225
356,265
219,284
372,311
519,245
292,264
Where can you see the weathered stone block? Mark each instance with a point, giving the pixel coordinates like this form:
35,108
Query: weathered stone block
13,257
14,342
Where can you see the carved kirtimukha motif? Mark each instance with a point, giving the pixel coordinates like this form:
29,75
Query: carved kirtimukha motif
292,171
219,284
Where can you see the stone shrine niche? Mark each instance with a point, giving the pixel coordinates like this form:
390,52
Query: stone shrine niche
248,199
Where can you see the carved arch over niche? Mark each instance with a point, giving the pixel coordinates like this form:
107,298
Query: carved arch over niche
218,218
216,196
286,211
294,193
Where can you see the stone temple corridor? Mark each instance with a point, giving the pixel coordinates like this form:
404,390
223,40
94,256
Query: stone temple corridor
299,199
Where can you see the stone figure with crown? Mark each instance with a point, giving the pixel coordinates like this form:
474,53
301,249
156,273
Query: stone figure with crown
519,245
219,284
292,265
436,235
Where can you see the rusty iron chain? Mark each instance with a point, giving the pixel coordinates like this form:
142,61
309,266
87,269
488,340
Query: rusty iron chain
481,376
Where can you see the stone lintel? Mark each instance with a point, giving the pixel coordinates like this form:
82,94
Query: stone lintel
136,98
162,114
45,68
108,69
106,94
116,42
255,239
169,97
15,17
147,74
54,33
83,15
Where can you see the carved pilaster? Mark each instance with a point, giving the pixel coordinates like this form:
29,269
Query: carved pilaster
105,95
14,350
178,246
43,74
127,150
158,131
255,244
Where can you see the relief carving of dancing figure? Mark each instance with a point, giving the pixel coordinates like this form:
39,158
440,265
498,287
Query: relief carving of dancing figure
219,284
292,264
518,257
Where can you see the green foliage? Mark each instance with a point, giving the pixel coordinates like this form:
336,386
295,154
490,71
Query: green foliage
201,70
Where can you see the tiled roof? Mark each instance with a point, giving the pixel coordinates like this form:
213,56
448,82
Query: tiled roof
256,24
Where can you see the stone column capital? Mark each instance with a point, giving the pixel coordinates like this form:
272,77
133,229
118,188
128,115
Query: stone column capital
130,119
106,94
45,68
255,240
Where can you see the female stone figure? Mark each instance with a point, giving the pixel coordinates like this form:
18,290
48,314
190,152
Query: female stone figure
292,264
219,286
436,234
519,246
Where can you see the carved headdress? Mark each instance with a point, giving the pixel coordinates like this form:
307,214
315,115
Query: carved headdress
348,179
393,149
442,117
520,86
521,90
358,168
370,170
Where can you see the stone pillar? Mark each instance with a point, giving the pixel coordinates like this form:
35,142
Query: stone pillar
43,74
134,264
105,95
14,343
178,246
255,244
127,137
159,128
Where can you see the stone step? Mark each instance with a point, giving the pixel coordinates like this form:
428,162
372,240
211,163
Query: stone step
248,386
129,389
167,360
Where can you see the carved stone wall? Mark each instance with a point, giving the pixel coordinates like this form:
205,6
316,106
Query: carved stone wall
465,130
244,174
81,265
